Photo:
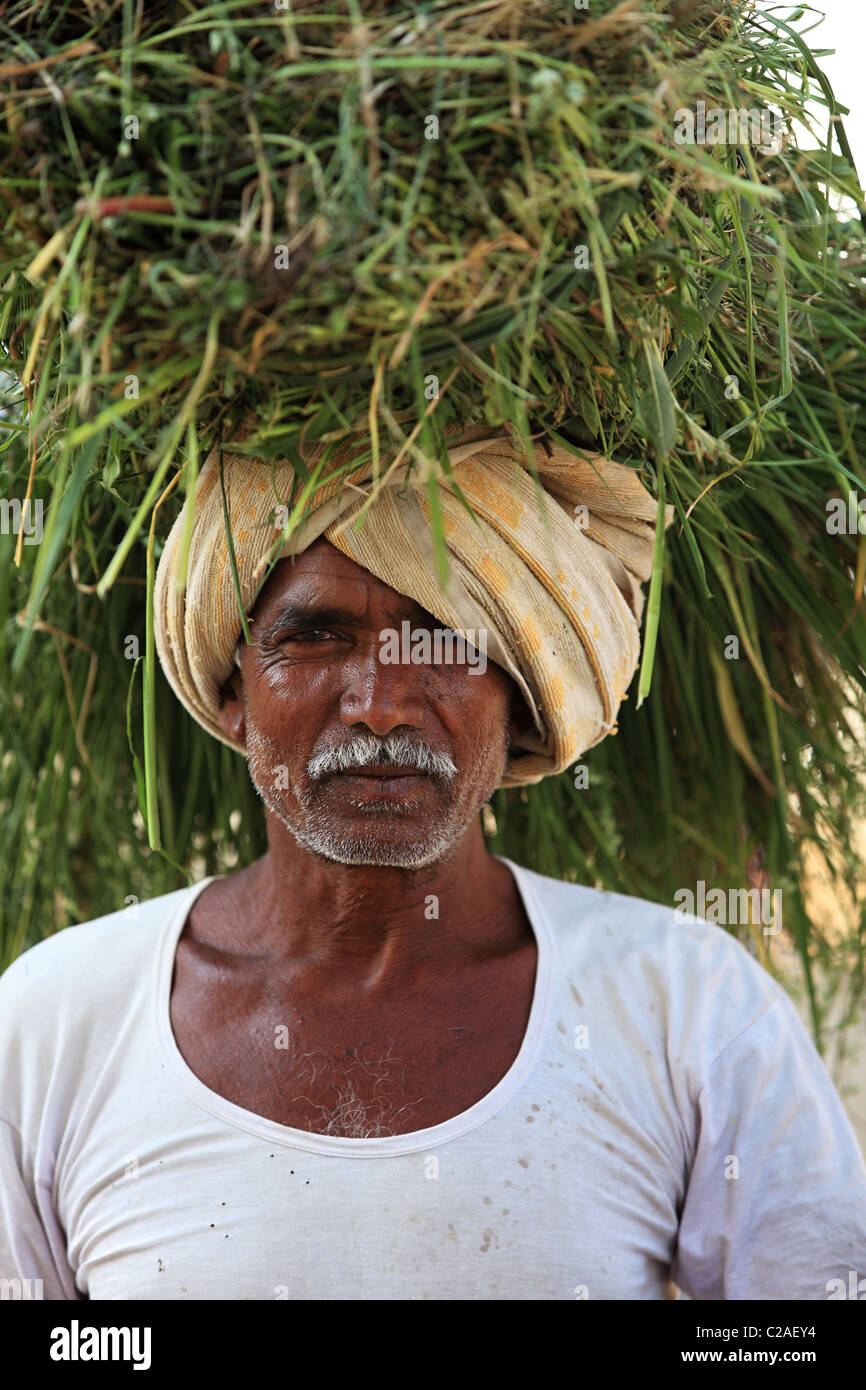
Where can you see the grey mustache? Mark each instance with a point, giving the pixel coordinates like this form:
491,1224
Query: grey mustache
367,750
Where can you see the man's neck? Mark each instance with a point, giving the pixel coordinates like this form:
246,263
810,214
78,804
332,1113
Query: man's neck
369,927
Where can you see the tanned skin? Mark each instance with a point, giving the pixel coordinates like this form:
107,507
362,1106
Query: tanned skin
416,1016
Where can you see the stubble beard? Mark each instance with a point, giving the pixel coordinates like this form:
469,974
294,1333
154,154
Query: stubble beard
325,832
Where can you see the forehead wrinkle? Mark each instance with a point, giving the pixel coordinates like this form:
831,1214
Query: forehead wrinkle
312,587
313,591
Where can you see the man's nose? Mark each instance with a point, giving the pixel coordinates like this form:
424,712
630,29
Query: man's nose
382,695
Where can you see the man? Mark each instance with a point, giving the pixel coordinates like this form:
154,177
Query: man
380,1062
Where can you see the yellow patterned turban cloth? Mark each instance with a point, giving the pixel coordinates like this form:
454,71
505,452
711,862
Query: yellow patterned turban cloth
550,567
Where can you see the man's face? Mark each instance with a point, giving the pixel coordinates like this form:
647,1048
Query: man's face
364,761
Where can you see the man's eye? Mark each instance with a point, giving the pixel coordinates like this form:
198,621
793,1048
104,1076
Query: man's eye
308,634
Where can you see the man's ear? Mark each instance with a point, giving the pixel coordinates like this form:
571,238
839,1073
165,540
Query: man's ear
231,716
520,720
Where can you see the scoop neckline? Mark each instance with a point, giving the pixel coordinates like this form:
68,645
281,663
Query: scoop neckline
415,1140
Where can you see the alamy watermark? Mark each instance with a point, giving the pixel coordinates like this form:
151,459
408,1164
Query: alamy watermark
438,646
77,1343
855,1290
16,517
719,125
739,906
21,1290
846,516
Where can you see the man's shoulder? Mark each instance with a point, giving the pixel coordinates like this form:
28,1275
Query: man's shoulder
79,959
653,944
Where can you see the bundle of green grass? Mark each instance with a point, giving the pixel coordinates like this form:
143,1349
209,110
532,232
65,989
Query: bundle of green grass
595,221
